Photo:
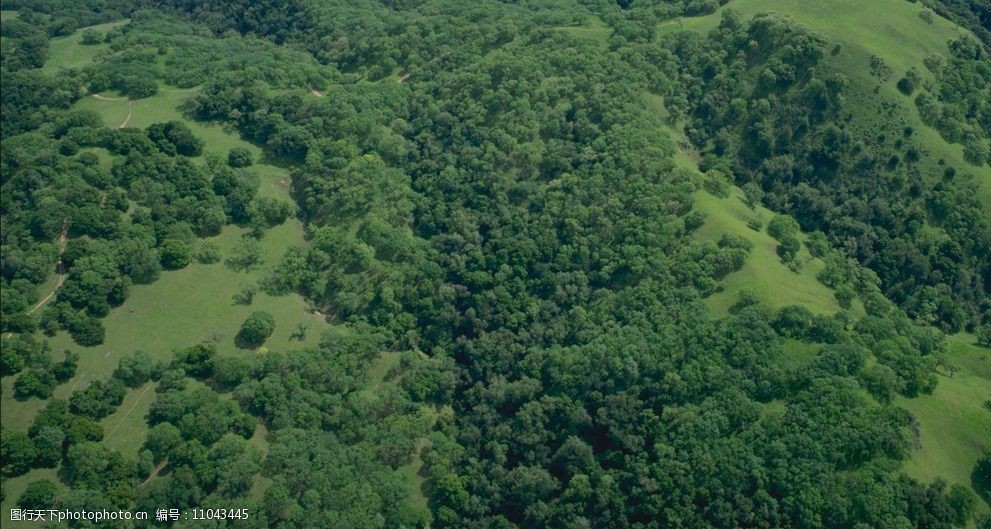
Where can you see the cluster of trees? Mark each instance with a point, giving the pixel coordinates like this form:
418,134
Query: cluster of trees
957,105
975,15
549,246
761,106
67,432
510,216
39,374
108,229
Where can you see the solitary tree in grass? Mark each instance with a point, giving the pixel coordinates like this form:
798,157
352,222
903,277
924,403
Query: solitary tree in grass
256,329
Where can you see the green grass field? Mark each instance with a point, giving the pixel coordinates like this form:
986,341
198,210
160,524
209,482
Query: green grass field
954,425
890,28
378,376
763,273
182,308
69,52
595,29
165,106
7,14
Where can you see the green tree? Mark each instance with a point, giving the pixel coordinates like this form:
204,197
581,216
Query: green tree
983,335
162,439
86,464
91,37
86,330
782,226
34,383
175,254
99,399
39,494
197,360
961,501
239,157
208,253
981,476
17,452
245,256
256,329
138,368
49,442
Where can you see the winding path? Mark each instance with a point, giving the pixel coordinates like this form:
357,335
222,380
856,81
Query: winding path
130,108
59,269
130,411
105,98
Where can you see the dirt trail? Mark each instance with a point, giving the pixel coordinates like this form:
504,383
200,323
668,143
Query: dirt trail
105,98
130,108
158,468
130,411
58,268
314,91
435,60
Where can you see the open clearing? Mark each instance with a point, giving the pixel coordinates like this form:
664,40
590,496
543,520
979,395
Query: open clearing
595,29
954,425
70,52
763,272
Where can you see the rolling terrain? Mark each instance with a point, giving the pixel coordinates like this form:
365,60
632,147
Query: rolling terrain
530,265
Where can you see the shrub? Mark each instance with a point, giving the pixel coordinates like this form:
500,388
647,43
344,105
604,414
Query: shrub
209,253
782,226
91,37
256,329
239,157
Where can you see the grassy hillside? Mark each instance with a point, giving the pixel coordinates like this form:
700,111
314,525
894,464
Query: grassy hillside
763,273
497,359
70,52
890,29
954,424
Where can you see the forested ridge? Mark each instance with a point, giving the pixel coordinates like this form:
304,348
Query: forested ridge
503,235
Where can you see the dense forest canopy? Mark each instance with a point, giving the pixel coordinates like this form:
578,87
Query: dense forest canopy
505,229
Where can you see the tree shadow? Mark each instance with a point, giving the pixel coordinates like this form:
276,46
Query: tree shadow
980,478
243,343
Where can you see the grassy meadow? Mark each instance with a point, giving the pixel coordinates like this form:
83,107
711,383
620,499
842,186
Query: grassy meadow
182,307
70,52
595,29
763,273
954,425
